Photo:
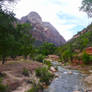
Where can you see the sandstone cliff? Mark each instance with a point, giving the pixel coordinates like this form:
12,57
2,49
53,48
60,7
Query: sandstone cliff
43,31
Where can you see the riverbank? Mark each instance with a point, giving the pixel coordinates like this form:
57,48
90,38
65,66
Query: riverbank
72,79
69,78
25,76
86,70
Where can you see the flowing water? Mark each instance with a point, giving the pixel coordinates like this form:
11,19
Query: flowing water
68,81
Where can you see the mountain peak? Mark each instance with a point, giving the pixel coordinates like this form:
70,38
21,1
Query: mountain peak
43,31
32,17
34,14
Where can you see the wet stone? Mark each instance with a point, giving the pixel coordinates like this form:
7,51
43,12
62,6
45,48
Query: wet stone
68,81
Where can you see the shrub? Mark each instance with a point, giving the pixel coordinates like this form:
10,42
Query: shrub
38,72
44,75
2,75
36,88
3,88
1,79
40,57
90,58
47,48
47,63
33,89
86,58
25,72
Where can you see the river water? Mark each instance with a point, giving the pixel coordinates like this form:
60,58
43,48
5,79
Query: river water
68,81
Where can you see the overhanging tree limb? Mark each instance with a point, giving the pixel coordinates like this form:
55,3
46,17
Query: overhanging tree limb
87,7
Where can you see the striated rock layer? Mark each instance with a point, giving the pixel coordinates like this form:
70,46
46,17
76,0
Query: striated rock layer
43,31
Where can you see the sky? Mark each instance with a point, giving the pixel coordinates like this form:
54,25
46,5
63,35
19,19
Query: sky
64,15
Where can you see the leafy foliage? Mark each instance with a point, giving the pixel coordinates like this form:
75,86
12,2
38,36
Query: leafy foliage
36,88
47,63
15,39
76,45
3,88
44,75
47,48
87,7
7,31
39,57
24,38
87,59
25,72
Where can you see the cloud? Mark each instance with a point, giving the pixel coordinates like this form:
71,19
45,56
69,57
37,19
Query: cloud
63,14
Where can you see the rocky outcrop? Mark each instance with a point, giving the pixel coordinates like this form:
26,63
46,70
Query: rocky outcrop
43,31
87,29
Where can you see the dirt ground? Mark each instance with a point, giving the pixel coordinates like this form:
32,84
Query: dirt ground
13,72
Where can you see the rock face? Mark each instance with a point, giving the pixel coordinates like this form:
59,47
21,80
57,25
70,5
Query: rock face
43,31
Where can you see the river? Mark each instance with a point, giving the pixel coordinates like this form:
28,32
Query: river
68,81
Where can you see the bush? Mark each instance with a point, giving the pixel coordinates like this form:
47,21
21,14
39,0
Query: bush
47,63
86,58
33,89
25,72
1,79
47,48
3,88
90,58
44,75
36,88
40,57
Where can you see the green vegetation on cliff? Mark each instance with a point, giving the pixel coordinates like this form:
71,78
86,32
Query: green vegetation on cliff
76,45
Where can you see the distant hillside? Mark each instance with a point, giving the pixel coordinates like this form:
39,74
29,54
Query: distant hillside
78,43
83,39
89,28
43,31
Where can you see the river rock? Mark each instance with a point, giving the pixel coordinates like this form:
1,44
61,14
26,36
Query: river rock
76,91
52,69
88,79
70,72
56,75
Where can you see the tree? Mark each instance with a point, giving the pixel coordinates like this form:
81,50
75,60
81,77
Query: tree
47,48
87,7
67,55
6,34
25,39
7,31
85,58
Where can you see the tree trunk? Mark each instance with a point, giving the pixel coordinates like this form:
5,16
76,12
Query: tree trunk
13,57
3,60
25,57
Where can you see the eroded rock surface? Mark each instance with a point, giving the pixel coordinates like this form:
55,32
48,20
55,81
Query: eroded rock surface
43,31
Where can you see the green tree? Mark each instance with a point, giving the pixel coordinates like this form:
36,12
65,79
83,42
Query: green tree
87,7
47,48
25,39
6,34
85,58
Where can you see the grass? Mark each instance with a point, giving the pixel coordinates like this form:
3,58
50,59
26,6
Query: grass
48,63
44,75
25,72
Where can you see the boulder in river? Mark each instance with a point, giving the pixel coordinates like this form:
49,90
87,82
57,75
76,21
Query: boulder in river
56,75
69,72
52,69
